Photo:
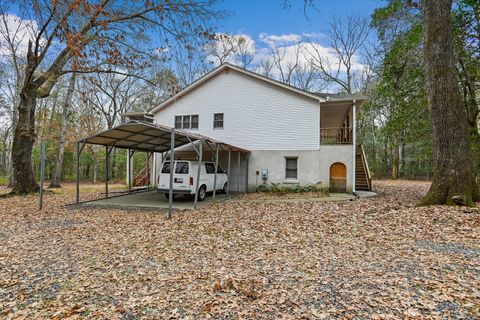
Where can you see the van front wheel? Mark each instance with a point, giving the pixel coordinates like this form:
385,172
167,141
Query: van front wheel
202,193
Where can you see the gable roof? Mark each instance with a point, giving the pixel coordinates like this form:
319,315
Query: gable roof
228,66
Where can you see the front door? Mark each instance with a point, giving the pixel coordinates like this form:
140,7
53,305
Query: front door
338,177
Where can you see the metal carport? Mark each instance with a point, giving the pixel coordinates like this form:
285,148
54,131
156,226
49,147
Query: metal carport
153,138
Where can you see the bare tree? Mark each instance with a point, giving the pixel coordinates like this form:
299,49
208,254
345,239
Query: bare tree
189,66
221,49
12,35
92,36
66,109
290,62
285,67
110,95
246,51
236,49
345,40
308,78
265,67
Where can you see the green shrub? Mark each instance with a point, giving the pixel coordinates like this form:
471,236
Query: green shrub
3,180
278,188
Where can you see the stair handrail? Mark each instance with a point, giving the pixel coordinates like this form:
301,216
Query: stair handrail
141,175
365,166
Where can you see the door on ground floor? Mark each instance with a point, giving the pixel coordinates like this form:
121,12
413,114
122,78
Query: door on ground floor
338,177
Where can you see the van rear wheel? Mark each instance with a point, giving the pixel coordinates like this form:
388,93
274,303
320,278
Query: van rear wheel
224,189
202,193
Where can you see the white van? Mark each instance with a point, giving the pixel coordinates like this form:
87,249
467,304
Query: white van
185,178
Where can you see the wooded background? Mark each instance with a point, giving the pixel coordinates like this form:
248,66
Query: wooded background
394,125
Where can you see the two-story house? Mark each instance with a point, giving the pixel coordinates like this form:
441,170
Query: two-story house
294,136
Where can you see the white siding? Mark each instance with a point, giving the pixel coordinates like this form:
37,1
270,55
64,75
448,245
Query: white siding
257,115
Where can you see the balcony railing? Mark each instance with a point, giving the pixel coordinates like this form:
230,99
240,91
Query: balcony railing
336,135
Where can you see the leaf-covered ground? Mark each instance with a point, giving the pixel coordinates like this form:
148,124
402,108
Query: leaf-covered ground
374,258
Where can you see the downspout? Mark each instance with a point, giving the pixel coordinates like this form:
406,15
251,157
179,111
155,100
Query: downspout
354,143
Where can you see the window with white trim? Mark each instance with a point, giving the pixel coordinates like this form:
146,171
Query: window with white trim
178,122
194,121
218,120
291,168
186,122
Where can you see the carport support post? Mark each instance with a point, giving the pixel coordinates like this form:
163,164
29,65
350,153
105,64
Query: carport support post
154,169
106,171
197,183
130,169
228,170
148,171
79,150
42,173
216,169
246,173
170,191
238,173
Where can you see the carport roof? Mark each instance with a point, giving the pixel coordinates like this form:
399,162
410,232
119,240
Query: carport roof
141,136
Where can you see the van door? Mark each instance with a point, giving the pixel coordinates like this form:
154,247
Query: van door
210,175
164,176
221,178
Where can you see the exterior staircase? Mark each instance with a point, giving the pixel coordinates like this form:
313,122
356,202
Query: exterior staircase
142,178
363,180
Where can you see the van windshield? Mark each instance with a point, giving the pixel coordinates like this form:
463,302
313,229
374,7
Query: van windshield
181,168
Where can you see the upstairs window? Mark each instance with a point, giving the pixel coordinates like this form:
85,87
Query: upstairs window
186,122
194,123
218,120
178,122
291,168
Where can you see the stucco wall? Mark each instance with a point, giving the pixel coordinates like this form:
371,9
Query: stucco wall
313,166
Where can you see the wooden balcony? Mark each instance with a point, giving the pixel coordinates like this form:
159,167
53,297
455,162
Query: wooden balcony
336,135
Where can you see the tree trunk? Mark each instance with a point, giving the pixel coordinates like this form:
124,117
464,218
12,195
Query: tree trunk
453,181
402,165
385,170
95,169
24,138
113,164
11,181
87,171
57,173
475,136
395,159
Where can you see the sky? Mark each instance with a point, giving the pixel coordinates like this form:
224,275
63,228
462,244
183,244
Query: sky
268,24
254,17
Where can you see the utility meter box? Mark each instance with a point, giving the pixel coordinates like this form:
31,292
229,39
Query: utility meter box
264,173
